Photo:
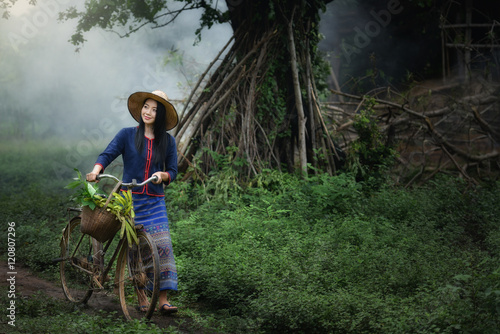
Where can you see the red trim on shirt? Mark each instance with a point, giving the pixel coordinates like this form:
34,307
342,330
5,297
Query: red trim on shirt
149,154
149,158
142,193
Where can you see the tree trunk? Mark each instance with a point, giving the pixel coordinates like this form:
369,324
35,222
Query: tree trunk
298,101
253,101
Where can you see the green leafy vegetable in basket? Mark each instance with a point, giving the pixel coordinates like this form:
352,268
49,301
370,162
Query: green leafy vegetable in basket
84,191
121,205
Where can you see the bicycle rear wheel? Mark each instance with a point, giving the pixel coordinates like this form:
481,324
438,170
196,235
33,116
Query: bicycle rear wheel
138,272
78,265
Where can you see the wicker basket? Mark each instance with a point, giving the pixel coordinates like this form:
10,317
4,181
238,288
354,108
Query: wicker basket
100,224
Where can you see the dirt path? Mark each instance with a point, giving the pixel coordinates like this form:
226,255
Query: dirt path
27,284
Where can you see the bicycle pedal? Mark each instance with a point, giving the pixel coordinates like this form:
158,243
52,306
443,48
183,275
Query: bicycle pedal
96,282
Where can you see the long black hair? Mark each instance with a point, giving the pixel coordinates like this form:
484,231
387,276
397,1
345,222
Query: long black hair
161,135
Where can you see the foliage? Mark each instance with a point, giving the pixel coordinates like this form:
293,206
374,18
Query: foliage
474,299
370,156
129,16
30,251
84,191
280,254
40,313
32,198
271,107
287,255
6,5
221,183
87,194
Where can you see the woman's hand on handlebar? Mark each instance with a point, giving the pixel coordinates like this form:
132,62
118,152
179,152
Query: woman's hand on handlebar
158,177
92,176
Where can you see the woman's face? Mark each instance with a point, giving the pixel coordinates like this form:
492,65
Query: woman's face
148,112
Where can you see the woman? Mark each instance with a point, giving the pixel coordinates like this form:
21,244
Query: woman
148,150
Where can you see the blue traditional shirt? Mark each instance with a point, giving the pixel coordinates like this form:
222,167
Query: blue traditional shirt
140,166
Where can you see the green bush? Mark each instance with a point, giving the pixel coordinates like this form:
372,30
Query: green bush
319,256
38,245
371,154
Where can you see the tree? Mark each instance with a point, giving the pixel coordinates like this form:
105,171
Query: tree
6,5
260,103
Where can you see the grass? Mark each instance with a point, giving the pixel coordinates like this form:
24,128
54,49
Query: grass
40,313
284,255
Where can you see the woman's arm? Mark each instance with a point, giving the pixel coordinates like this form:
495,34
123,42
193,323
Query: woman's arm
170,162
112,151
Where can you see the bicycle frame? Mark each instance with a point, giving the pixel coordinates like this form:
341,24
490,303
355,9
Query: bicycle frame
105,271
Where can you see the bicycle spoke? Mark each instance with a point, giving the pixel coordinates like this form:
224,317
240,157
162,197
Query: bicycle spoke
138,278
76,266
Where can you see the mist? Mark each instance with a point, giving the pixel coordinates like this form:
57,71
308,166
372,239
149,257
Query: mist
49,89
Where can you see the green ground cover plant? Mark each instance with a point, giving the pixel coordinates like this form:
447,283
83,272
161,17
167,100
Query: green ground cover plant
278,254
43,314
322,256
33,197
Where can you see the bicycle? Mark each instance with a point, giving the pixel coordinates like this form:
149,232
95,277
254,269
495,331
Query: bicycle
83,269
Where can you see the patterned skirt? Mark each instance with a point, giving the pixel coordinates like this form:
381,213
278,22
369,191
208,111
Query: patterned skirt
151,212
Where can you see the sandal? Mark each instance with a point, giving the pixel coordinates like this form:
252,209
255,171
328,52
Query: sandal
168,309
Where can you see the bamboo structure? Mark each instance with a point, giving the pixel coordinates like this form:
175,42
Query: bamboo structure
468,40
447,133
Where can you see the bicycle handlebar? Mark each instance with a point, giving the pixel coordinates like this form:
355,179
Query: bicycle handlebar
129,185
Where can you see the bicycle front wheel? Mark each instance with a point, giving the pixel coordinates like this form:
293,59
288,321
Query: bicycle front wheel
138,278
78,265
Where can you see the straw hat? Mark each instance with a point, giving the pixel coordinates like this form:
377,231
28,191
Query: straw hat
136,101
